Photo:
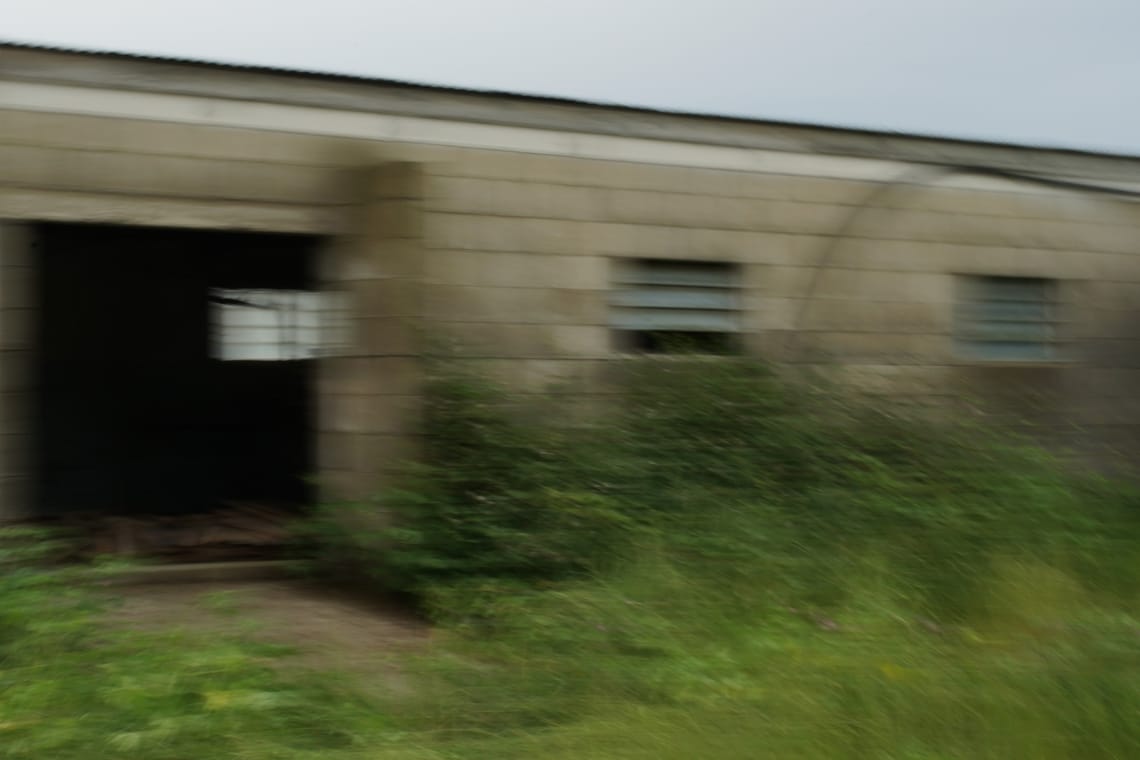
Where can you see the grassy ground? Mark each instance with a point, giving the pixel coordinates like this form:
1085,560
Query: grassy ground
731,567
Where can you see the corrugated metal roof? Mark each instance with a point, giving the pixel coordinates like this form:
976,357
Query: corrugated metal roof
532,98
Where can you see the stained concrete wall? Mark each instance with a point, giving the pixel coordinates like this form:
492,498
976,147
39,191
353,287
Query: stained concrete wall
512,251
840,274
16,359
72,167
370,392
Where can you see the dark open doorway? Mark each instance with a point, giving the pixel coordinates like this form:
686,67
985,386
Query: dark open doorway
140,410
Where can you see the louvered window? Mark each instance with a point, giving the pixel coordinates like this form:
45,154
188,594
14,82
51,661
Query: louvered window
665,306
1006,318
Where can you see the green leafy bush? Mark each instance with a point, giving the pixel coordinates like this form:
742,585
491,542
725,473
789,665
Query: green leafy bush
496,496
728,564
725,462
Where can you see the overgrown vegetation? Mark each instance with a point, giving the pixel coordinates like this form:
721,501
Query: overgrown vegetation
720,564
732,565
723,463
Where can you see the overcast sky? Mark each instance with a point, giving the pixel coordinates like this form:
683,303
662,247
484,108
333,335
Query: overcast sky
1056,72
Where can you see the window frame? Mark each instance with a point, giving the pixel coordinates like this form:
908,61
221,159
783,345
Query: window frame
709,291
977,335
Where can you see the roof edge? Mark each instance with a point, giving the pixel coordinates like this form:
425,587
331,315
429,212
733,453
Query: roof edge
119,70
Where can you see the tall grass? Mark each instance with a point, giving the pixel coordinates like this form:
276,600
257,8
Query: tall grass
720,564
731,565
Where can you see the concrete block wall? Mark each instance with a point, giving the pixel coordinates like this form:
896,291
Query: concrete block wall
369,395
70,167
511,253
836,273
16,358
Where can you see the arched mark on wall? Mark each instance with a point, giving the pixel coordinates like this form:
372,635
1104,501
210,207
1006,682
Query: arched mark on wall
922,175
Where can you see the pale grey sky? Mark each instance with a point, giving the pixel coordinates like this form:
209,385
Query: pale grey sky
1055,72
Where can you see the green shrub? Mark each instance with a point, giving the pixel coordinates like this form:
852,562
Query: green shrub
496,496
728,564
724,459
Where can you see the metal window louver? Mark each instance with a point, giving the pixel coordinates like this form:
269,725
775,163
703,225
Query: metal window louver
675,296
1006,318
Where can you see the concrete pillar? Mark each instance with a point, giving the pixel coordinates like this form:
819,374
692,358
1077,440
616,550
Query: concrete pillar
370,392
16,338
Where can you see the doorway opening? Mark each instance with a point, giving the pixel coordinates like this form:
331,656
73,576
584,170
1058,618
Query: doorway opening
175,370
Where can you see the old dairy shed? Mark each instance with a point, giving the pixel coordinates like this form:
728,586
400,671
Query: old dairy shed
216,282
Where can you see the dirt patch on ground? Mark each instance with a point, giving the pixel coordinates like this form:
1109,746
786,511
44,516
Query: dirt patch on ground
330,629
